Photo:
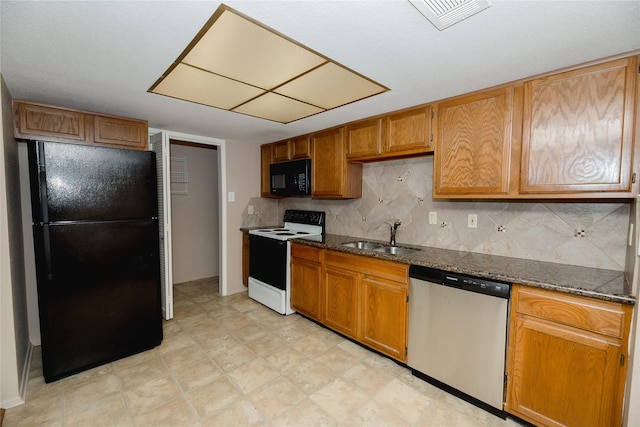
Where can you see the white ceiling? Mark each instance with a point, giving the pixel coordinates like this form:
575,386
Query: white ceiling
103,56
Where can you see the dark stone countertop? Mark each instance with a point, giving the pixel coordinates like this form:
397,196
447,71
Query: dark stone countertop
598,283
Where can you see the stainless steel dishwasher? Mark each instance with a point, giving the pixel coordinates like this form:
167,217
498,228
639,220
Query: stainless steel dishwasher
457,334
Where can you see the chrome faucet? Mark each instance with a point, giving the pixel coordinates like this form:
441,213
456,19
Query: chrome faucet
394,229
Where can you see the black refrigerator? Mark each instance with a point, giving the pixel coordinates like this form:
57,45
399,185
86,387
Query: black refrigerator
95,227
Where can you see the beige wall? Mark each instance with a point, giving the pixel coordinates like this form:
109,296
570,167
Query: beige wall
195,216
14,331
243,178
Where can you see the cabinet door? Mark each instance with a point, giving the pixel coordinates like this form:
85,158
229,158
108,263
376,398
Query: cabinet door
266,158
578,130
281,151
305,287
363,139
33,121
384,316
563,376
119,132
333,177
473,144
408,132
245,258
300,148
340,295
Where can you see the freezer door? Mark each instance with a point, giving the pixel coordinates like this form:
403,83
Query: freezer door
72,182
98,293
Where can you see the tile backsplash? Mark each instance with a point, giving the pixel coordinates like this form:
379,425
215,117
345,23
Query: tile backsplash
592,234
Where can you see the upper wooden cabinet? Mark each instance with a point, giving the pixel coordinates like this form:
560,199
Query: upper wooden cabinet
578,130
398,135
407,133
473,144
300,147
364,139
37,121
563,135
281,151
567,358
291,149
333,177
266,158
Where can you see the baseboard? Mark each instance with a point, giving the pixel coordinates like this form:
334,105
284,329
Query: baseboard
26,371
23,385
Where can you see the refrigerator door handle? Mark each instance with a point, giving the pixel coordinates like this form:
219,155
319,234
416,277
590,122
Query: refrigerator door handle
47,252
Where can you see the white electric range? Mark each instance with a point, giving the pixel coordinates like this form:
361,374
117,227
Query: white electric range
270,256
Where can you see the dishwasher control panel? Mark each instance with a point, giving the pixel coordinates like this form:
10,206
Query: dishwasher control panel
473,284
461,281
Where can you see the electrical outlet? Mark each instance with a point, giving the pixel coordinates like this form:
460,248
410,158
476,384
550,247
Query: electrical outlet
433,217
472,221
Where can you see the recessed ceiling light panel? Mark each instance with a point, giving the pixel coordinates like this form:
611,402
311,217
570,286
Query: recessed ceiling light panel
330,86
240,65
445,13
278,108
240,49
201,87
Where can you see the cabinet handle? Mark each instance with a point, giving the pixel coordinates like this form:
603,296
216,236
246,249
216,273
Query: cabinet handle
622,359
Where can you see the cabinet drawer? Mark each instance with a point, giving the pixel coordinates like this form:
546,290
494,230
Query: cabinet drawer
606,318
308,253
370,266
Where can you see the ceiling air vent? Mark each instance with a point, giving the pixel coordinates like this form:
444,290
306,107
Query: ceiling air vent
445,13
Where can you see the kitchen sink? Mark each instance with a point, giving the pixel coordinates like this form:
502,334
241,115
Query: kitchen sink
394,250
379,247
363,245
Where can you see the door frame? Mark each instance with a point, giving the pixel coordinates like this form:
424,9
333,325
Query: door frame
222,190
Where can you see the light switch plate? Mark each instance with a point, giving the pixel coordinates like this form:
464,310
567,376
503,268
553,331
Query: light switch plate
433,217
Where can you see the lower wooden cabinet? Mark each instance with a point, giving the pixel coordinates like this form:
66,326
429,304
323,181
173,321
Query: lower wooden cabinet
245,258
360,297
384,316
366,299
306,270
341,301
567,358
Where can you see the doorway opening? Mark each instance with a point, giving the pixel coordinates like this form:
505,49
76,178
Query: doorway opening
195,214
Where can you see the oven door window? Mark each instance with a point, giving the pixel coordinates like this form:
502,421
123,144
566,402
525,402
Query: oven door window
268,261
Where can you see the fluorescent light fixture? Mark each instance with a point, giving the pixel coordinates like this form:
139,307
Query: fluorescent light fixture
445,13
237,64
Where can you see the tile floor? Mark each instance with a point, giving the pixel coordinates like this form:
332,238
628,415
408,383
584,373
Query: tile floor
229,361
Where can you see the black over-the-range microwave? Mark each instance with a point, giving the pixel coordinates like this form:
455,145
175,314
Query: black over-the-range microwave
291,178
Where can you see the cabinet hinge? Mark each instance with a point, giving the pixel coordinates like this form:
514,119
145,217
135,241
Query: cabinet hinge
407,298
433,114
622,359
431,137
633,178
